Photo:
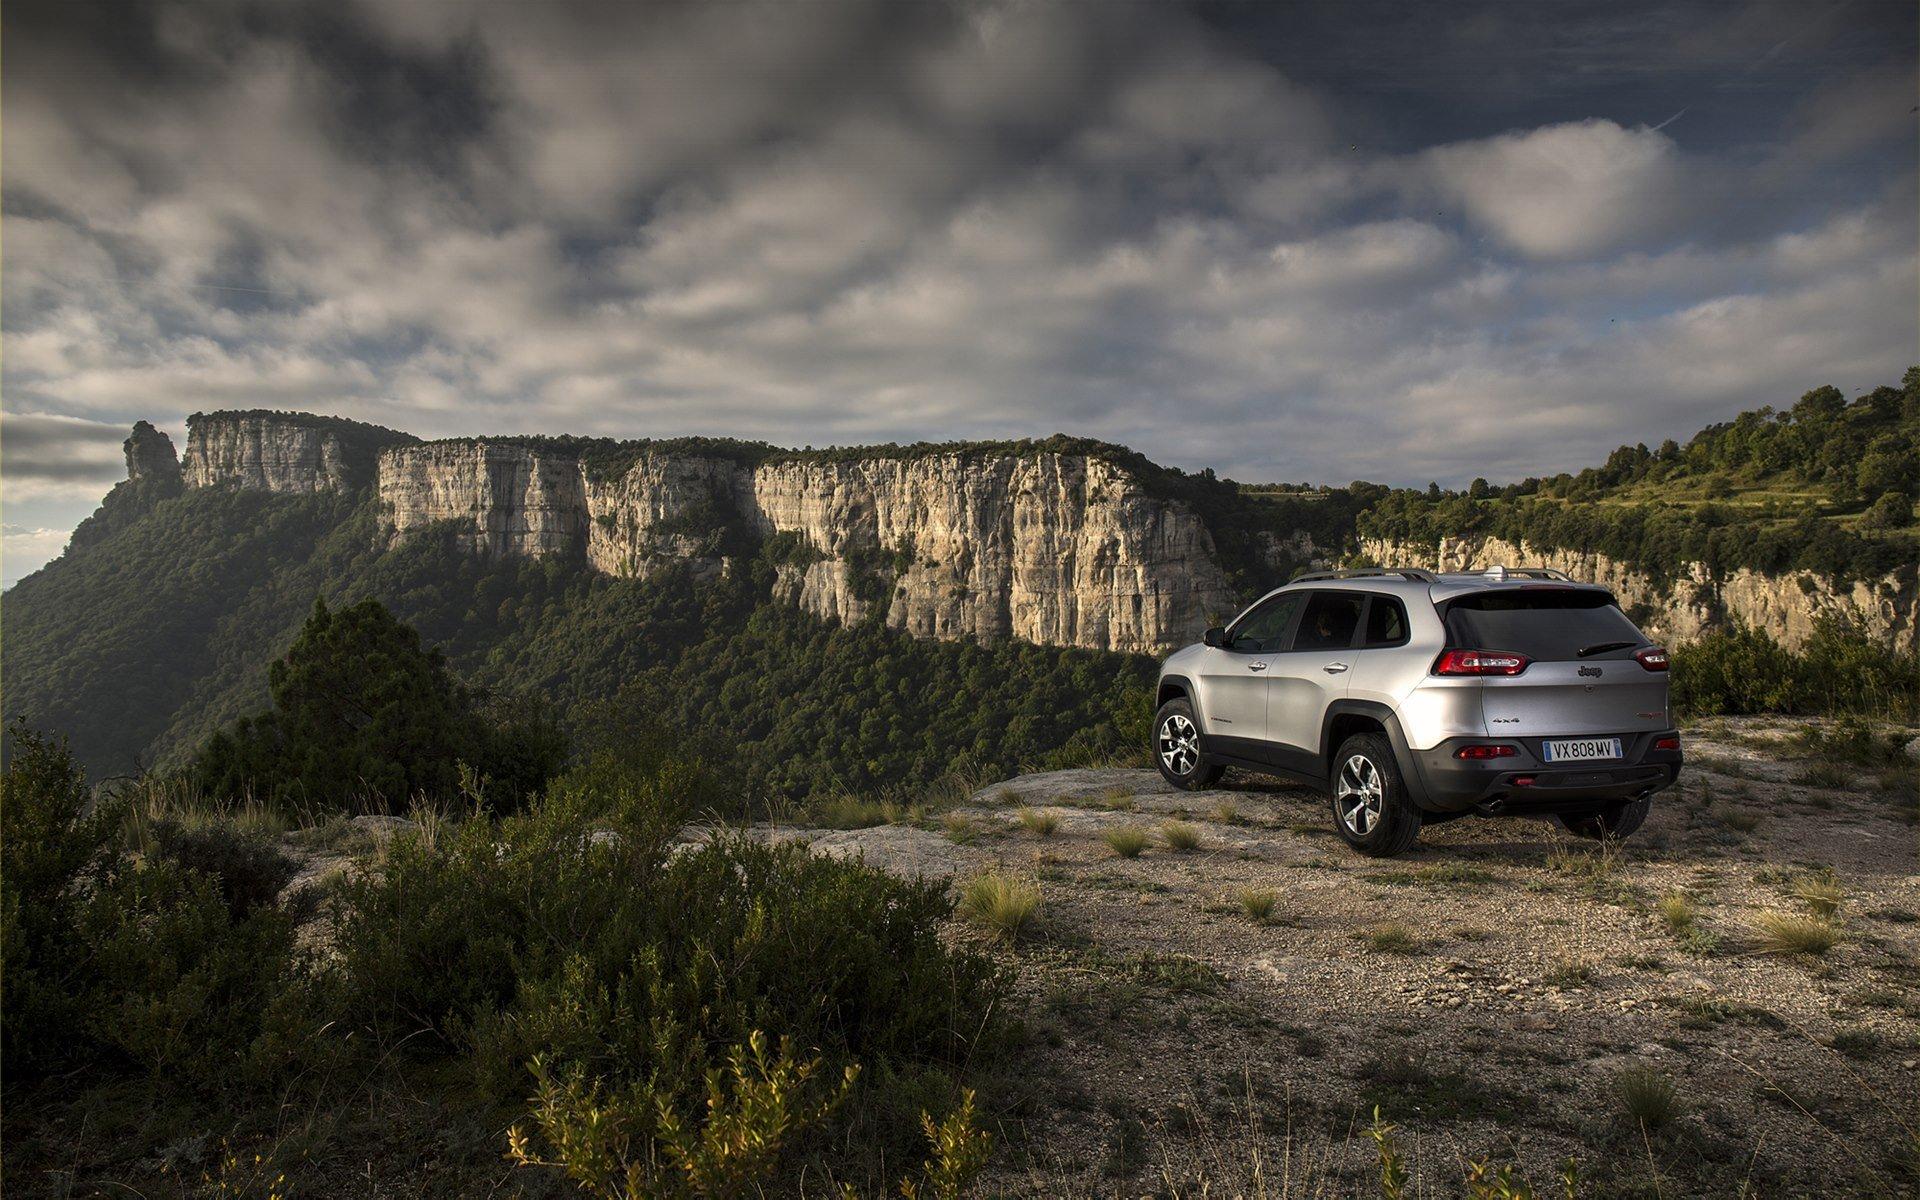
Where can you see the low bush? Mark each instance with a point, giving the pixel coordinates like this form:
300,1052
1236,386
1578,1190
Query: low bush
248,871
564,935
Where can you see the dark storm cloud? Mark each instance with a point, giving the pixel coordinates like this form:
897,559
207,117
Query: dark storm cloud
1286,241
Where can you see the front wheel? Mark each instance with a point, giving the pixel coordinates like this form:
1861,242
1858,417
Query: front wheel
1370,804
1176,748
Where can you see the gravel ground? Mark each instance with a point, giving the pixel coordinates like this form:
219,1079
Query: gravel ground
1489,991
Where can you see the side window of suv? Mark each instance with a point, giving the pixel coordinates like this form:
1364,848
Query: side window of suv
1386,622
1330,621
1264,630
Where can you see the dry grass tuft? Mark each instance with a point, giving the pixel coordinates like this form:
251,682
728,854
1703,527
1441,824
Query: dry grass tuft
1180,835
1127,840
1791,933
1391,938
1039,823
1647,1096
1822,896
1005,904
1258,903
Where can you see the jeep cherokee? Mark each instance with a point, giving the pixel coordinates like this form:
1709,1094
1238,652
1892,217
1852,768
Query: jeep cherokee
1415,697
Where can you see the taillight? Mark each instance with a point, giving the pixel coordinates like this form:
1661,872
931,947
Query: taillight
1653,658
1480,662
1667,743
1485,752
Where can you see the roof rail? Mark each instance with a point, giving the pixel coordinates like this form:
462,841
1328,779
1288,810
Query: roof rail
1413,573
1503,572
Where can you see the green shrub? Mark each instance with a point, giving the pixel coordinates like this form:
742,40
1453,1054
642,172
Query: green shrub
248,871
49,842
564,934
188,990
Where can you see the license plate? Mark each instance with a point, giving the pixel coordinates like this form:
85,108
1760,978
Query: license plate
1581,749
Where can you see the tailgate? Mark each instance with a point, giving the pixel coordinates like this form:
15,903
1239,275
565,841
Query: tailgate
1554,698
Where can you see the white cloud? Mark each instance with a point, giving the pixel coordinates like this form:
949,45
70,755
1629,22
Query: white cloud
1565,190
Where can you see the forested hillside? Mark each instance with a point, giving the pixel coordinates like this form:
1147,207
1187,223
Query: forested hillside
149,639
1826,485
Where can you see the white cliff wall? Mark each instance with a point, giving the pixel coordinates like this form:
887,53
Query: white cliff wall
1785,606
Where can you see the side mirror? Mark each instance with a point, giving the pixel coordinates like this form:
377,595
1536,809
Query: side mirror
1215,637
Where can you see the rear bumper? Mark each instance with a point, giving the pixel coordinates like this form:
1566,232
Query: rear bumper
1523,784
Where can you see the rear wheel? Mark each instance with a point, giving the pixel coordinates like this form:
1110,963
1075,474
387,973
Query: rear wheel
1614,821
1371,809
1176,748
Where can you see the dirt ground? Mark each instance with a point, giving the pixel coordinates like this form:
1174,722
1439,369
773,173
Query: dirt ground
1497,992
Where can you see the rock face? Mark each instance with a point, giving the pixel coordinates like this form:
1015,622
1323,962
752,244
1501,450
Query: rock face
293,453
1057,549
500,498
151,457
1697,602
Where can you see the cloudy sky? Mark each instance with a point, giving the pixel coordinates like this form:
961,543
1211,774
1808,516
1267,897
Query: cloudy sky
1285,240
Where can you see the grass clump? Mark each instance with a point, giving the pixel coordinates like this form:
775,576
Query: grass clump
1228,813
1793,933
960,829
1005,904
1677,913
1570,974
1258,903
1391,938
1126,840
1180,835
1647,1096
1822,896
1039,822
856,812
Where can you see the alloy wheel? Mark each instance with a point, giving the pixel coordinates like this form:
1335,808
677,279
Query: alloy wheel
1358,797
1179,744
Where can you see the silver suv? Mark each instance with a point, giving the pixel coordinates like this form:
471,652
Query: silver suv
1416,697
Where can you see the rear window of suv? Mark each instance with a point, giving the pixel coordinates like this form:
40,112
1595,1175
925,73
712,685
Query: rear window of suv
1545,624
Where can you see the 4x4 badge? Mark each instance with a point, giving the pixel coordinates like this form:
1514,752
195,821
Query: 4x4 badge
1593,671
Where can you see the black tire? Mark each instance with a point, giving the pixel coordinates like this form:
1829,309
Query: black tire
1615,822
1371,809
1176,748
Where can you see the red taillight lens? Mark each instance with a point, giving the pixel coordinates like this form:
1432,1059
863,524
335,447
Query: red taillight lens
1666,743
1485,752
1480,662
1653,658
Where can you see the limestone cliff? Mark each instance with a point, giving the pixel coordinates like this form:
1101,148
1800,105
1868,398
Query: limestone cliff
282,452
1697,601
1058,549
502,498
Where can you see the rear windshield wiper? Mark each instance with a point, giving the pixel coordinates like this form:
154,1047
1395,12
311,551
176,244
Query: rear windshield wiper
1602,648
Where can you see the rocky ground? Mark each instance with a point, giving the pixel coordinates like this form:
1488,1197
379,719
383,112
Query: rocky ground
1503,994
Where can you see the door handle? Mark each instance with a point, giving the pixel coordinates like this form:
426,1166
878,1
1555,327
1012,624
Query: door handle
1256,666
1334,668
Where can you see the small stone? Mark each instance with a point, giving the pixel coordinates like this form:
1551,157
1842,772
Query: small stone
1909,1063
